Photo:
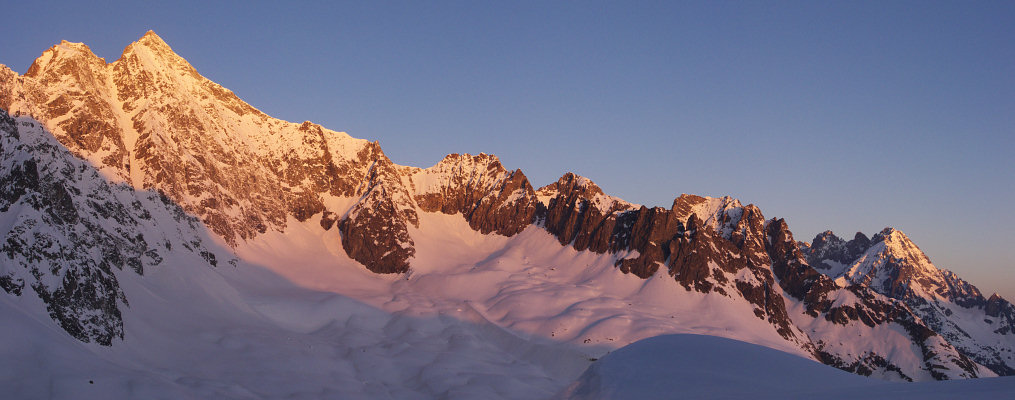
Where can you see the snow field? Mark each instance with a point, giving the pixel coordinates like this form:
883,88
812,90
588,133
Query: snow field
478,316
710,367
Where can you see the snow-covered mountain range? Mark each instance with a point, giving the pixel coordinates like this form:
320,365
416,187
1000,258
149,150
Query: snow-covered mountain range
111,171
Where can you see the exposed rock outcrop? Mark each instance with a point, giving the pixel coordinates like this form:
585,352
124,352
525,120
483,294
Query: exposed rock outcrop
72,232
490,197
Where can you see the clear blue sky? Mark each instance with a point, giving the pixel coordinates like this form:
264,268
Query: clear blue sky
849,116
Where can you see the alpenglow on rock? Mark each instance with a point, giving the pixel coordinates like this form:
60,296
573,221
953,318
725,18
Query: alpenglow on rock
147,138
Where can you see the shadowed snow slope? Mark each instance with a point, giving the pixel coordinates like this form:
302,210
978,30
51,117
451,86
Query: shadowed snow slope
697,366
245,333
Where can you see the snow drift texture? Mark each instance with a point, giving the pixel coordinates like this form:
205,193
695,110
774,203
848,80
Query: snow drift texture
709,367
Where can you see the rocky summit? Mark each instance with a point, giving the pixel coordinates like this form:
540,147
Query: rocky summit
890,264
138,163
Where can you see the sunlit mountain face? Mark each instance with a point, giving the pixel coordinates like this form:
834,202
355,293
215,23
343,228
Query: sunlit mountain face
163,236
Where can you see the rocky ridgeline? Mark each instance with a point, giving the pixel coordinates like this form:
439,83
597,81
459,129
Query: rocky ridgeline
72,232
149,121
491,198
733,251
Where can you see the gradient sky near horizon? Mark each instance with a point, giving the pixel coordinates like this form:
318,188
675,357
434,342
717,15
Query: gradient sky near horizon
849,116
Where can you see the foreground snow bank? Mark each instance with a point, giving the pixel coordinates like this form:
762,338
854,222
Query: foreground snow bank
698,366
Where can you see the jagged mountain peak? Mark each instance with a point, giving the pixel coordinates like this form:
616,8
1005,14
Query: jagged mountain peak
778,230
704,206
79,54
575,187
900,246
571,181
150,61
832,254
830,235
488,161
67,48
63,59
998,306
153,43
722,214
827,238
889,261
827,233
150,71
892,263
886,232
150,38
581,181
152,120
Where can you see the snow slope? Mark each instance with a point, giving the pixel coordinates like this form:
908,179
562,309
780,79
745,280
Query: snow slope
245,332
526,283
484,316
464,325
700,367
